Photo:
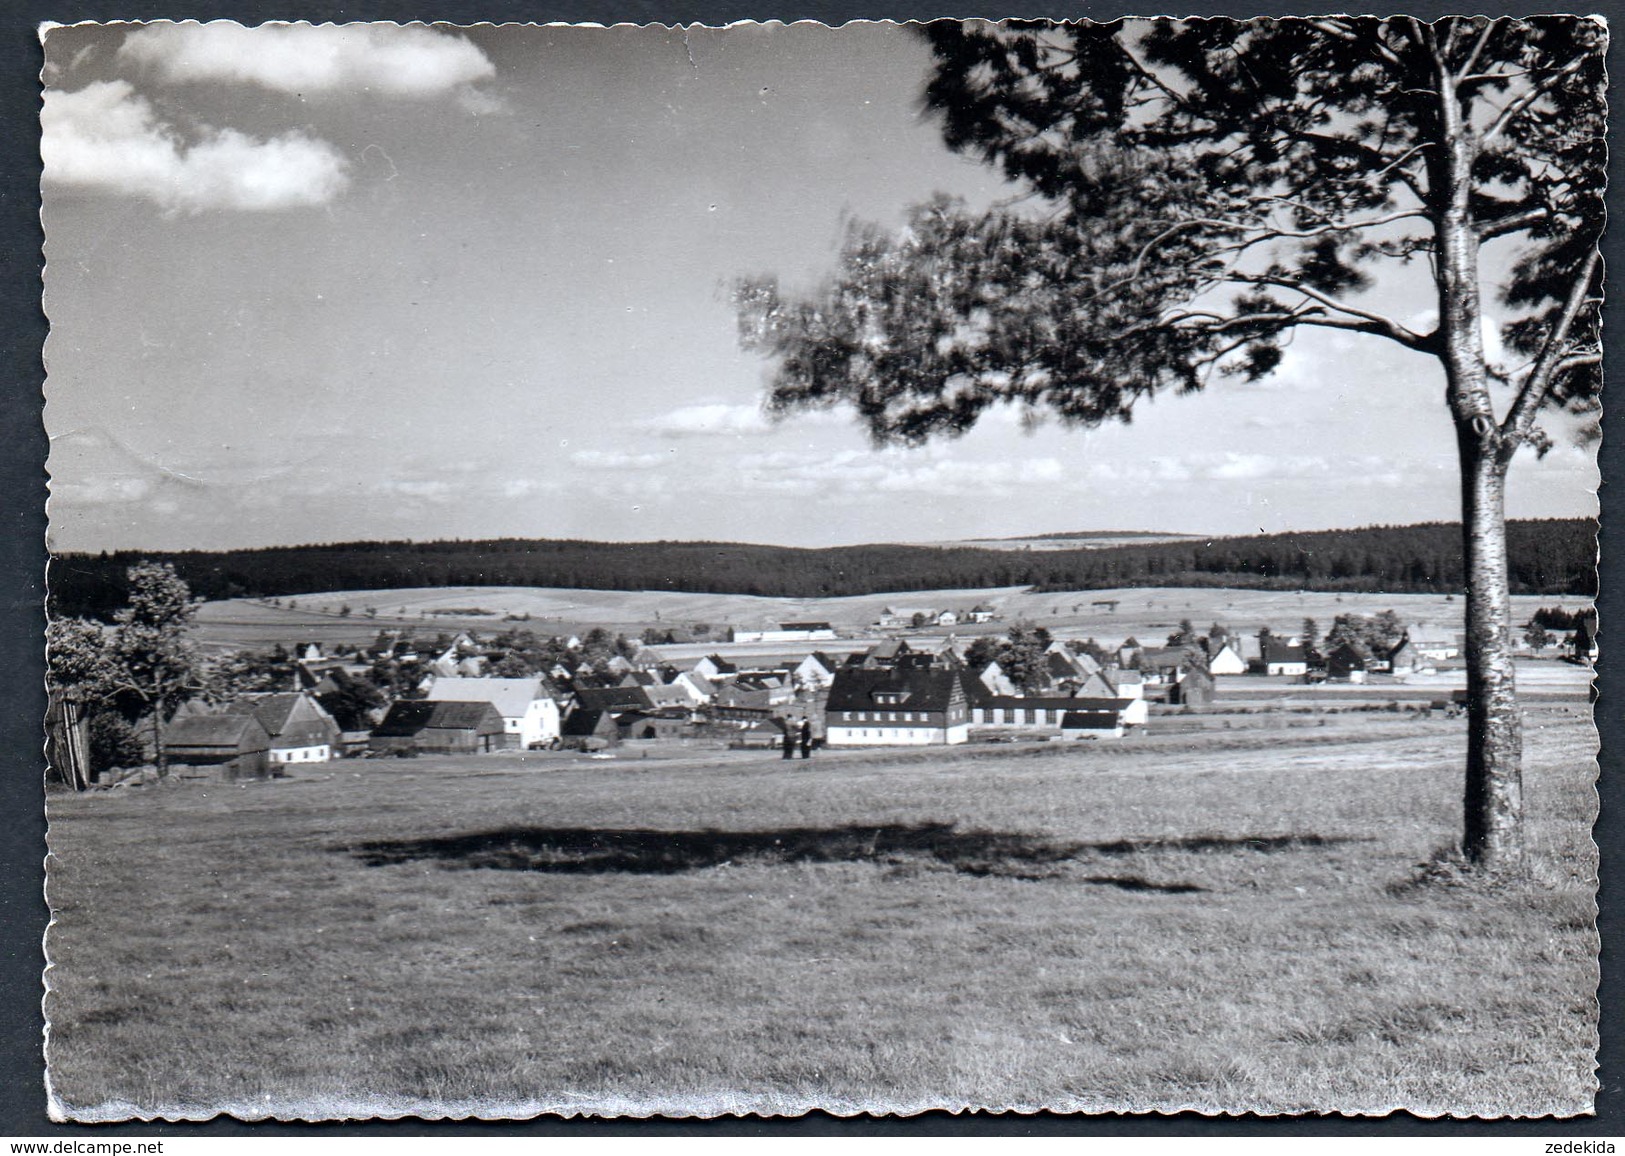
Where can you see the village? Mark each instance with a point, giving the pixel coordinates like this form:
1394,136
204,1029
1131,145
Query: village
907,680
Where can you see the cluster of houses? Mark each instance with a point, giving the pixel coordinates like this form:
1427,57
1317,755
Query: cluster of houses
889,694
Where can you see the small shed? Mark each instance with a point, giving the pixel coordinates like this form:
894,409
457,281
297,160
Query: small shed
1345,664
588,728
446,728
643,724
239,745
1092,724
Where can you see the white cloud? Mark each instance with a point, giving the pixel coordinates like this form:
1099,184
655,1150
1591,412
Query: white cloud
108,138
101,489
617,460
709,418
857,473
388,59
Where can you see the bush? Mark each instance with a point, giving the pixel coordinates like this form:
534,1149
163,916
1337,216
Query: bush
114,743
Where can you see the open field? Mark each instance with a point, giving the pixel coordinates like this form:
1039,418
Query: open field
1148,612
1214,921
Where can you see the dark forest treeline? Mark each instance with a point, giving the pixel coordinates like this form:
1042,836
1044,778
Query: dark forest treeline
1547,557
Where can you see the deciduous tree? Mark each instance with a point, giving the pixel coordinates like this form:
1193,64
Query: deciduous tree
1199,191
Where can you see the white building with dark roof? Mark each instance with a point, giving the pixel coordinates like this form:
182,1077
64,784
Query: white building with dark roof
530,712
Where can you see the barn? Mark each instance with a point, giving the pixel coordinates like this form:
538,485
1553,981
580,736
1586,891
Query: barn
238,744
446,728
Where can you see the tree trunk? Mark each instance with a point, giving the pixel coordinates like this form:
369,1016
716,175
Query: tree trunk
1492,835
158,754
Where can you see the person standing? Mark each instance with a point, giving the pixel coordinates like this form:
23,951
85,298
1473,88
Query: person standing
806,737
789,741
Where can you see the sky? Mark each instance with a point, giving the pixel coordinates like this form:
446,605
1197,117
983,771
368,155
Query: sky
314,284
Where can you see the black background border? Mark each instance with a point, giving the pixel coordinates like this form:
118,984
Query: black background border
23,914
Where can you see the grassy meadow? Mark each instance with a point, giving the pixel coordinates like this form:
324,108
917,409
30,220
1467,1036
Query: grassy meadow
1217,921
1111,615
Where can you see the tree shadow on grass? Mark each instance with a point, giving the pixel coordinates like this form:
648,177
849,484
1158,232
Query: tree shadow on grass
593,851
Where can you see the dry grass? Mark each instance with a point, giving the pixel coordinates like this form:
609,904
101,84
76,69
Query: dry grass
1208,922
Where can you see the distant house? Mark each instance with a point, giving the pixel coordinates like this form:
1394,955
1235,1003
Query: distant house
1096,686
913,706
1047,711
715,668
1277,656
885,653
301,730
898,617
1081,660
746,693
1226,660
1406,659
530,712
439,728
1432,641
787,632
1583,643
817,670
1161,664
1345,664
947,618
1125,682
993,677
1194,687
613,698
981,612
238,744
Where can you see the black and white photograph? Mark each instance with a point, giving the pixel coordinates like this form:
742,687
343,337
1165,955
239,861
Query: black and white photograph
705,571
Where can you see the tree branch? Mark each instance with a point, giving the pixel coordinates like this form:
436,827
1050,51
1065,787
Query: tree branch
1512,222
1518,107
1465,74
1374,322
1515,429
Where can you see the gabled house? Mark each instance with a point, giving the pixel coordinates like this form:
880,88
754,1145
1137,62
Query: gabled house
528,706
1280,657
1226,660
1406,659
1433,641
996,681
886,653
715,668
1162,664
816,671
300,729
1096,686
1345,664
912,706
1124,681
